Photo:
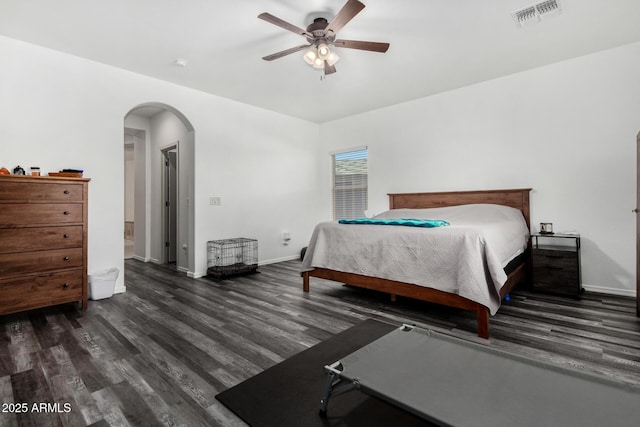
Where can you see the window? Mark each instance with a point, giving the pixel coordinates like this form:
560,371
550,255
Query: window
350,194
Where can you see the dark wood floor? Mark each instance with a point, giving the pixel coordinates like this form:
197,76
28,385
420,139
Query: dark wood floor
158,354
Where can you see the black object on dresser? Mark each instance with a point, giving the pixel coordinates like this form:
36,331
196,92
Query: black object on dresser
556,264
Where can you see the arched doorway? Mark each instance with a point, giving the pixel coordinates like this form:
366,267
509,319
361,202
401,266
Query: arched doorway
151,131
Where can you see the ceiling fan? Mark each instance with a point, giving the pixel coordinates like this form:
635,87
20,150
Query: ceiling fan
321,38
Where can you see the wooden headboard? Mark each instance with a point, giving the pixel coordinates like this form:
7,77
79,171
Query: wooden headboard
515,198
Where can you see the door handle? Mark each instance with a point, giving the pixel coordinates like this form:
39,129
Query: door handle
635,210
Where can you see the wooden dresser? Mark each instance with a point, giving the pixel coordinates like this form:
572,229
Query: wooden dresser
43,242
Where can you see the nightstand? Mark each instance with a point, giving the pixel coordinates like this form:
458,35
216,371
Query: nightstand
556,264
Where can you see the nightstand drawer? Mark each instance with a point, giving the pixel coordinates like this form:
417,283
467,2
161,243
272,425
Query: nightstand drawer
554,275
560,262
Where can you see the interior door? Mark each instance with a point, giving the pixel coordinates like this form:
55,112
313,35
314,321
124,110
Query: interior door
171,205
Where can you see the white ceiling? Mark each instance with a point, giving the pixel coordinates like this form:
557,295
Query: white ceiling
436,45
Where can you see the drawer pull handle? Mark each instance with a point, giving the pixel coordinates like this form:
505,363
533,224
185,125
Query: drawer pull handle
66,285
66,191
554,256
66,258
67,213
66,236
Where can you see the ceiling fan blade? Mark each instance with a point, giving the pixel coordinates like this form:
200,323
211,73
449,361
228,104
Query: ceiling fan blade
363,45
285,52
283,24
329,69
346,14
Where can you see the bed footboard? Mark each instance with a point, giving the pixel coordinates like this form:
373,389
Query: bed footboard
403,289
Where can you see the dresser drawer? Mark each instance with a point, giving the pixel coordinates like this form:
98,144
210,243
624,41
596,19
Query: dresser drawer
27,292
39,238
41,191
12,214
39,261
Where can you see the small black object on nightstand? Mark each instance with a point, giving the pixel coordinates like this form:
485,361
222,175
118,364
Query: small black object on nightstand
556,264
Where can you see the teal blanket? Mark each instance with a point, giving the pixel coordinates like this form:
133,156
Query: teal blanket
429,223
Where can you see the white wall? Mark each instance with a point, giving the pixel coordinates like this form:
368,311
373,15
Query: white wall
62,111
567,130
265,170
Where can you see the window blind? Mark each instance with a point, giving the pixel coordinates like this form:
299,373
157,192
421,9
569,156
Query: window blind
350,193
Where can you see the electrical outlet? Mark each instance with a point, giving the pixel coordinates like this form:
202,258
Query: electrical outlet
215,201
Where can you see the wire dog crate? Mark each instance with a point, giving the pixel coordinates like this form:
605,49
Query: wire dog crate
230,257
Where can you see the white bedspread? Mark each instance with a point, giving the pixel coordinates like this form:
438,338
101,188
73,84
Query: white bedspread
466,258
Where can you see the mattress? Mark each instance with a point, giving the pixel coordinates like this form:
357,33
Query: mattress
466,258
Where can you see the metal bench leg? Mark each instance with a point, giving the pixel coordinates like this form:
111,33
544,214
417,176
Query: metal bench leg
334,386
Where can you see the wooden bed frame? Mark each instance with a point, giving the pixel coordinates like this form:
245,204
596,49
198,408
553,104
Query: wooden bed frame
516,198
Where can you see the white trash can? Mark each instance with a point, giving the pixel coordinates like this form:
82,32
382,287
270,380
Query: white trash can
103,283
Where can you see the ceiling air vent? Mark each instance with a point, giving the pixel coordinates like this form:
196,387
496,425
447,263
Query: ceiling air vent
537,12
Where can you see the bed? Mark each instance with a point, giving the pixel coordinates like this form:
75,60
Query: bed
361,275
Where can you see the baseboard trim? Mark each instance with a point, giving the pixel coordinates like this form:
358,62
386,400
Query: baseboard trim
273,261
197,275
611,291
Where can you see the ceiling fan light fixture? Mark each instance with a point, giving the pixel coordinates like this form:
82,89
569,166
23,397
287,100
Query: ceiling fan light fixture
311,55
318,63
312,58
323,51
332,59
